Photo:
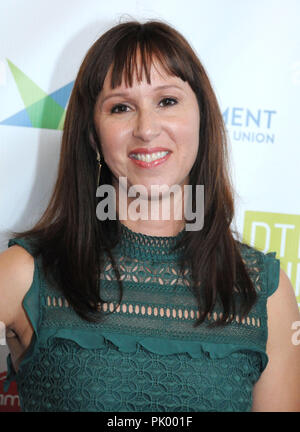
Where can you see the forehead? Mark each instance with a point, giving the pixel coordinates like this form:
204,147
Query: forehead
140,65
139,71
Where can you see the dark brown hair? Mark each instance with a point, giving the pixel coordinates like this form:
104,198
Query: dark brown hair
71,239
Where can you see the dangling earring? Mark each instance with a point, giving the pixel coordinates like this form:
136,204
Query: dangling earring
99,167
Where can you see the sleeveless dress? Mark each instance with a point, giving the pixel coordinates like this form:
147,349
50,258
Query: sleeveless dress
146,355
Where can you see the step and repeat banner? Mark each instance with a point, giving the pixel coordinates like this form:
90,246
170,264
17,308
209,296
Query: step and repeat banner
251,50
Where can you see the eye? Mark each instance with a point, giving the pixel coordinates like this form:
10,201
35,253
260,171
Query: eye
119,108
168,101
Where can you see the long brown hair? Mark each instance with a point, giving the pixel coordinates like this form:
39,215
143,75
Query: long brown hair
72,241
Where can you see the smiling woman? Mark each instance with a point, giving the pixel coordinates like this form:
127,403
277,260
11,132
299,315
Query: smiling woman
153,140
144,315
152,123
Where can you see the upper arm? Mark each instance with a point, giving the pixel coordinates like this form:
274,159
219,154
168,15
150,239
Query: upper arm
278,388
16,275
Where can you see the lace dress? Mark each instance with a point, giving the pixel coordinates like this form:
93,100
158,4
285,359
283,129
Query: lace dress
145,356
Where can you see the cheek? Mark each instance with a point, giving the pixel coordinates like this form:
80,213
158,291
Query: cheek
111,141
188,141
187,135
193,130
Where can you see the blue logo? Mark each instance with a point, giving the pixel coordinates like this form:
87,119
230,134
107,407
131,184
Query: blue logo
247,125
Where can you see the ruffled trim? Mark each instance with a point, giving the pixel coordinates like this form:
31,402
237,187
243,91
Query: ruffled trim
129,344
272,265
31,304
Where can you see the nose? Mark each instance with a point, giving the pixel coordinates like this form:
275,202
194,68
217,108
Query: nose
147,125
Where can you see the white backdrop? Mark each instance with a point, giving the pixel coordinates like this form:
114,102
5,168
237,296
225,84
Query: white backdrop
250,49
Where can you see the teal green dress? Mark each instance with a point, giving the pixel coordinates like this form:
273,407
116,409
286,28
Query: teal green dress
145,356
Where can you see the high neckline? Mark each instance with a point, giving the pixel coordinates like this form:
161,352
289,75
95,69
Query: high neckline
143,246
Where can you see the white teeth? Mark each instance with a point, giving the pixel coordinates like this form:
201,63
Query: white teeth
149,157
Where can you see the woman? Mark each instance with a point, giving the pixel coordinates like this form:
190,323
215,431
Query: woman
132,314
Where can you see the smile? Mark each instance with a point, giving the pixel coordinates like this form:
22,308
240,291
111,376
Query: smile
148,160
148,157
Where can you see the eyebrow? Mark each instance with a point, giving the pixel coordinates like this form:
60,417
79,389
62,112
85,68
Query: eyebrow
124,94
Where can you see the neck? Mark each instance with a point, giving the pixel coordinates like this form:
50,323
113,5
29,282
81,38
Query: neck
160,215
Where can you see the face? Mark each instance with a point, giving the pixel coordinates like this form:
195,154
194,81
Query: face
149,133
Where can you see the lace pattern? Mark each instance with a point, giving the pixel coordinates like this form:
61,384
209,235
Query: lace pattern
68,378
145,355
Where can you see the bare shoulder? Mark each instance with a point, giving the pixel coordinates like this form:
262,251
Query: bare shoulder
282,308
16,276
278,387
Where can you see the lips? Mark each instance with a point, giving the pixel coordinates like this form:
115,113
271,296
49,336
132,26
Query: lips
149,151
143,157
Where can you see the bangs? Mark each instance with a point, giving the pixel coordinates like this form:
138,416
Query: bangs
135,54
